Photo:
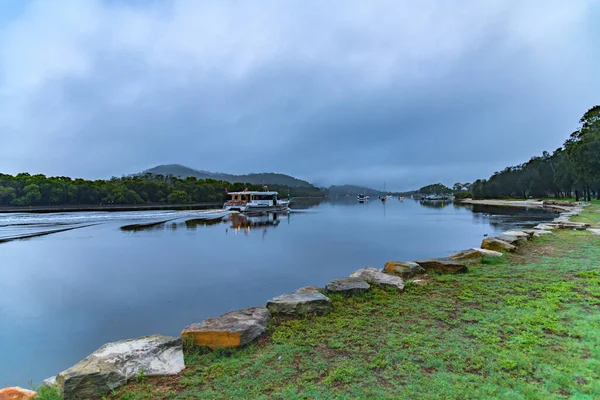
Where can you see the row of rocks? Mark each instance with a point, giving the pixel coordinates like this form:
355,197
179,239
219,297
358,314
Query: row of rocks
563,221
239,328
114,364
508,241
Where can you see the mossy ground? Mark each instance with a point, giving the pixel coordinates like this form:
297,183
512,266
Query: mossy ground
526,326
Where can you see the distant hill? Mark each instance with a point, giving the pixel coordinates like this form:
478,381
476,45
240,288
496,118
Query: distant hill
352,190
436,188
267,178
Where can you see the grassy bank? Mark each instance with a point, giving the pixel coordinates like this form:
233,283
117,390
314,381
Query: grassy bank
524,326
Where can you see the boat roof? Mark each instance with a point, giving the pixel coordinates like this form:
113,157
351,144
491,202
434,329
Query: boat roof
249,192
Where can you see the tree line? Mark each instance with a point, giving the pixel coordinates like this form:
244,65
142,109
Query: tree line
30,190
436,188
572,170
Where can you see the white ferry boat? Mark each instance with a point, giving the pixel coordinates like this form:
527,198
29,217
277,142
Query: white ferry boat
247,201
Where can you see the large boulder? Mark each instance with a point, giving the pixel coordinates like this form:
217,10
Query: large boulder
16,393
496,245
579,226
488,253
347,286
113,364
442,265
304,301
469,254
234,329
513,237
522,235
544,227
405,269
376,277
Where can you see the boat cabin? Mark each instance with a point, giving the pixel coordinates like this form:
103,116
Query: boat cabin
258,198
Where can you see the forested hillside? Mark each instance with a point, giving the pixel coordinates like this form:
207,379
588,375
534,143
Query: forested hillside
28,190
572,170
267,178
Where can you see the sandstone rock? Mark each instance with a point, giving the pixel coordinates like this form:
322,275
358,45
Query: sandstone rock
488,253
509,239
442,265
405,269
513,237
347,286
544,227
16,393
539,233
558,203
234,329
469,254
497,245
579,226
113,364
520,234
596,231
376,277
307,300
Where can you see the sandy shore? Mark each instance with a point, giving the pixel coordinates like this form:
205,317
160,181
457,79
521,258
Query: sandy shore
522,203
507,203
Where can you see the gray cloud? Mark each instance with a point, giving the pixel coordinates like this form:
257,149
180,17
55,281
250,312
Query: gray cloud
339,92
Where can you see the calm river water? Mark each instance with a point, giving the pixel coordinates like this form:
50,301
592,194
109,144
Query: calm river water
65,294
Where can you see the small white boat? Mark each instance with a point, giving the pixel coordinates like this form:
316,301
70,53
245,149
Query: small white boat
401,198
255,202
436,197
362,198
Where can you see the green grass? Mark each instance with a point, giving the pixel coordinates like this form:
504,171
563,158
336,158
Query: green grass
526,326
591,215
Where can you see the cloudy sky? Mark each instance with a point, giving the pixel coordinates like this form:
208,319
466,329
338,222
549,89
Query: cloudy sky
333,92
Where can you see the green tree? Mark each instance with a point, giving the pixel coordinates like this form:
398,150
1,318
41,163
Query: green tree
179,197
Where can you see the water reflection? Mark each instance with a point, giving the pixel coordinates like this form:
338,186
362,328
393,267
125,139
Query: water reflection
305,203
435,203
193,224
156,225
241,221
501,217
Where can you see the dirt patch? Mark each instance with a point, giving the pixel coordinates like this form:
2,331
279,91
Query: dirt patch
161,385
532,252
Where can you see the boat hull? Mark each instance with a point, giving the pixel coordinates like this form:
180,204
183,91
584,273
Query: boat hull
258,208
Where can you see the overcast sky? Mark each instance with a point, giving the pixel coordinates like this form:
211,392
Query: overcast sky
406,92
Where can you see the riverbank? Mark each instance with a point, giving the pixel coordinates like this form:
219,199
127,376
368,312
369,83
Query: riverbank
555,205
520,326
505,203
108,207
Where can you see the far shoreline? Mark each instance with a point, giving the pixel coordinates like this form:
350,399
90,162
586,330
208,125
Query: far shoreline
108,207
122,207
